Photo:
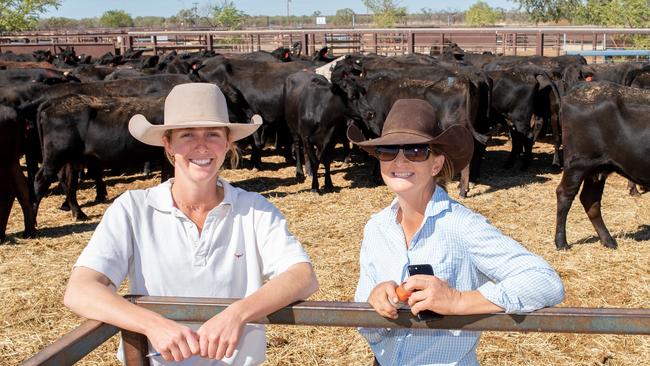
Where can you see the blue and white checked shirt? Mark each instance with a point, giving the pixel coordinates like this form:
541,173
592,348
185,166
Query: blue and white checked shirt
467,251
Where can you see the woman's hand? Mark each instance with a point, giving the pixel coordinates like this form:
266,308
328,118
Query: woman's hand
432,293
219,336
379,296
174,341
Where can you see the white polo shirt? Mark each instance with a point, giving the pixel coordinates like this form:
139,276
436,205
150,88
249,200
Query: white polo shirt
244,242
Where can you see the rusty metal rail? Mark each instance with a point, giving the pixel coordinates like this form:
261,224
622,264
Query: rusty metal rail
73,346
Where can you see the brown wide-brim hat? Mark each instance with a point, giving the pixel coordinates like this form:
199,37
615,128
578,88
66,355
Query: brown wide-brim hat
192,105
413,122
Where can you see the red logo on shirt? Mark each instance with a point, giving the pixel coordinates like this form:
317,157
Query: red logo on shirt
238,255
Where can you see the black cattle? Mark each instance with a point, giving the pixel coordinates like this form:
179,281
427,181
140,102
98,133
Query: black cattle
36,75
81,130
90,73
13,183
261,84
517,95
66,57
605,129
457,94
316,115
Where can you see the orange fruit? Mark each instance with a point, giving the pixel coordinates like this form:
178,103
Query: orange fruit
402,294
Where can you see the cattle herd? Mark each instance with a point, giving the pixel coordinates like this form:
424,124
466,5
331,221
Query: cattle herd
68,114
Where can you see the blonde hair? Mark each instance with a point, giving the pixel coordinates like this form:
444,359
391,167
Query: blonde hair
232,155
446,173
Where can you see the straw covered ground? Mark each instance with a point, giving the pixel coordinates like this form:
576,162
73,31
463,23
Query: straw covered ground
34,272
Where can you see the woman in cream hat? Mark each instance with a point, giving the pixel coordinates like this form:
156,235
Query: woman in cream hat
476,269
193,236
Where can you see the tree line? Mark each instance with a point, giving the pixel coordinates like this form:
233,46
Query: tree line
16,15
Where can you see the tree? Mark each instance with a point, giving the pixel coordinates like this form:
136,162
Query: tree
387,13
55,23
227,15
481,14
615,13
343,17
549,10
185,18
116,19
16,15
149,21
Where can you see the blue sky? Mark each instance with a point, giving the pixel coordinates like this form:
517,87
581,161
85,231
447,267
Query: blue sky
94,8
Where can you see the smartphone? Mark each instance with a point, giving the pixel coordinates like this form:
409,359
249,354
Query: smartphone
425,269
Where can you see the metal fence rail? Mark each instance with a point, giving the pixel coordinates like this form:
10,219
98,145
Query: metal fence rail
81,341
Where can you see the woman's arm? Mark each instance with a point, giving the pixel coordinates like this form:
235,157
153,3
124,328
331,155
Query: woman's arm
92,295
219,336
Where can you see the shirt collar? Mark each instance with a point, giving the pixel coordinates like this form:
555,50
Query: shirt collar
160,196
438,203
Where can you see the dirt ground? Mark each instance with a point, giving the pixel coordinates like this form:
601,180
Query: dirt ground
34,272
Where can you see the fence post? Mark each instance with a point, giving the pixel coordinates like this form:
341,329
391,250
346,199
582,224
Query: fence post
305,44
135,348
540,44
209,39
374,42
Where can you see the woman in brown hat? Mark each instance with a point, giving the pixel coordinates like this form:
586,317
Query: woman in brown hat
471,267
193,236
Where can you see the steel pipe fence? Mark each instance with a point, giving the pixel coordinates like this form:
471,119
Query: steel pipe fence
90,334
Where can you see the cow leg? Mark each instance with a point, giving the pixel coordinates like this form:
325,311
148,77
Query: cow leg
21,190
313,162
297,150
326,159
631,186
464,182
42,181
347,153
557,139
566,192
6,201
256,151
517,146
475,163
147,169
95,172
590,197
528,152
71,182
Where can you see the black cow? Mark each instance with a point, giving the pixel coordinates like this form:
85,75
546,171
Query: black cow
13,183
316,115
262,86
605,129
45,76
79,130
518,94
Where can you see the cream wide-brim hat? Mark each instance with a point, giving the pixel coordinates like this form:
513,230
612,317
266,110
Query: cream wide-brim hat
192,105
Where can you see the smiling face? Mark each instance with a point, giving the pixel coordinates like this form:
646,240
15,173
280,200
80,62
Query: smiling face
411,179
198,152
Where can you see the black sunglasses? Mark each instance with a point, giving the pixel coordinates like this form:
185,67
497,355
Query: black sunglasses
414,153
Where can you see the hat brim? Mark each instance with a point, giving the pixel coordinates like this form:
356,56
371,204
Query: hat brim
150,134
455,141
